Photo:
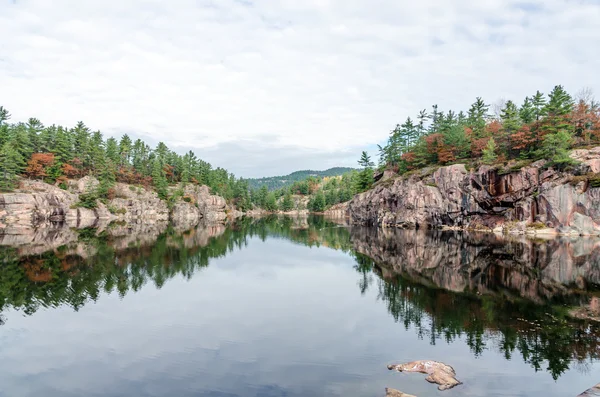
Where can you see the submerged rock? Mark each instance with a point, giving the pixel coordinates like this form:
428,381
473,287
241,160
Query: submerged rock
439,373
389,392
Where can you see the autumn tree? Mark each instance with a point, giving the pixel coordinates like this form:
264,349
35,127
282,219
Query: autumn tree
38,164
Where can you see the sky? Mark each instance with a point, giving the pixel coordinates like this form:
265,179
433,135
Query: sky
266,87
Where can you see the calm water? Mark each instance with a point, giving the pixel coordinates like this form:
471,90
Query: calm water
283,307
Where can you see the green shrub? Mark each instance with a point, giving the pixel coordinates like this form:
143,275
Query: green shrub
88,200
537,225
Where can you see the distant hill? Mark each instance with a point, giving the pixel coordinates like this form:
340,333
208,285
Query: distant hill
277,182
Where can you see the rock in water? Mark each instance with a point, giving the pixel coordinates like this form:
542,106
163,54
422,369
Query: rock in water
439,373
396,393
594,391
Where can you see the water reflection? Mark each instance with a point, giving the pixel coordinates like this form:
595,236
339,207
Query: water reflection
517,297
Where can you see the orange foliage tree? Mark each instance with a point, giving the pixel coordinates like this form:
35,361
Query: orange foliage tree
38,164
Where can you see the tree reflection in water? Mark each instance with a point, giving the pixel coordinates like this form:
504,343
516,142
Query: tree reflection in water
510,295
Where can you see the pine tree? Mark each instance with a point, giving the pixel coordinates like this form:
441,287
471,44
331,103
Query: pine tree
527,111
511,123
96,152
21,141
11,165
106,178
436,117
489,152
422,117
81,138
365,179
159,179
112,150
63,146
125,149
558,111
318,203
287,203
477,117
539,104
271,202
34,127
4,115
555,149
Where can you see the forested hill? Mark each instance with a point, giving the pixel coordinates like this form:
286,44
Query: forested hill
277,182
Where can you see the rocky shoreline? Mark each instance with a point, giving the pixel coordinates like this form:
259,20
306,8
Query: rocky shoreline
517,198
37,203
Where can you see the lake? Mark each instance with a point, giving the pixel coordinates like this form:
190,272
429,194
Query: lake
293,307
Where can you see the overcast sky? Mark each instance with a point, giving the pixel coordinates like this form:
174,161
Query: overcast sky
265,87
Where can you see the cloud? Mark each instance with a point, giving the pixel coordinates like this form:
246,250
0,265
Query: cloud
318,76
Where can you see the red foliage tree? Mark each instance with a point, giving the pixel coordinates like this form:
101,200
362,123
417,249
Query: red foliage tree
37,164
69,171
477,146
523,138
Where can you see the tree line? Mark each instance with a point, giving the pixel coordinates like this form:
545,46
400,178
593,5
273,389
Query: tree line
56,153
541,127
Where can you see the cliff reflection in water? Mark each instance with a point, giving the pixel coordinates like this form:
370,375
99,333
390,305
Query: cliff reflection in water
518,297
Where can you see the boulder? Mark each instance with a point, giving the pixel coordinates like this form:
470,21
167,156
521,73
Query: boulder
437,372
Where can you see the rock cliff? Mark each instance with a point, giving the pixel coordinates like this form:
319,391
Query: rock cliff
36,203
530,198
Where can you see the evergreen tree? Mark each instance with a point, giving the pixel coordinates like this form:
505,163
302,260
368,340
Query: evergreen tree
455,138
318,203
4,115
96,152
365,179
63,146
106,178
159,179
436,117
489,153
539,105
287,204
527,111
21,141
34,127
511,123
271,202
477,117
555,148
422,117
125,149
558,110
81,141
11,165
112,150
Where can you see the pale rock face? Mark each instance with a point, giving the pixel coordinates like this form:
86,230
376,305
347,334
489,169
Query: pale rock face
138,203
484,198
590,158
37,203
338,211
